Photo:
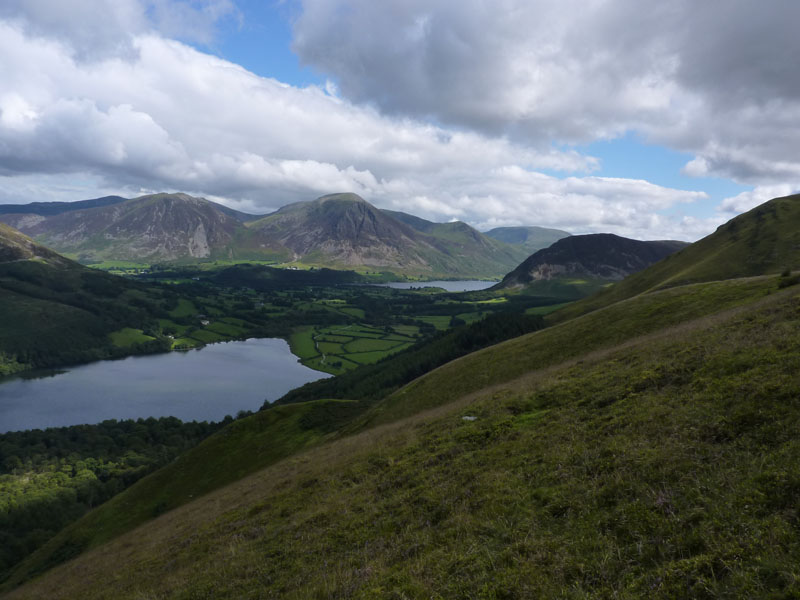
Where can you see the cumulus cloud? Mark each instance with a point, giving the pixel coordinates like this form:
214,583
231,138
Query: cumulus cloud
159,114
509,195
752,198
717,78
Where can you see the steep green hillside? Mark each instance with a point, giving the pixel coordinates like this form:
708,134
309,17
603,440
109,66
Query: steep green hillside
763,240
662,467
597,331
57,312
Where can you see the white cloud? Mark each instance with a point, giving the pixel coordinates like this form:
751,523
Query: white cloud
509,195
162,115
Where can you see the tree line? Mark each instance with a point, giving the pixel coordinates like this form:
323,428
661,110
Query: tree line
50,478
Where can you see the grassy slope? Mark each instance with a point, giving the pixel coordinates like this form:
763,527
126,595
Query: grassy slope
664,467
245,446
600,330
763,240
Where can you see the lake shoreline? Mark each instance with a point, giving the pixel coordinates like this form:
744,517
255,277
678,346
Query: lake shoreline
220,380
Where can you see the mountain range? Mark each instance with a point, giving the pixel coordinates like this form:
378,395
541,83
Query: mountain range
337,230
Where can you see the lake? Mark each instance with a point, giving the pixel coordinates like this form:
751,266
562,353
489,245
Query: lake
202,385
450,286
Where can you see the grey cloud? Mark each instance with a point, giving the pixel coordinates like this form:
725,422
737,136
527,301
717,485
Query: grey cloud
92,29
99,29
718,74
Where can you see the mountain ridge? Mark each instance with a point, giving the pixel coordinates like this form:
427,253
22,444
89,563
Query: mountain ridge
335,230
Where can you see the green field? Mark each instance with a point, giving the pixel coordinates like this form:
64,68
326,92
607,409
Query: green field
369,345
185,308
225,329
339,349
128,337
208,337
234,321
329,337
441,323
171,326
330,348
302,344
184,343
368,358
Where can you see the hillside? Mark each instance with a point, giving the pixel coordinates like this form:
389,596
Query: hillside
763,240
530,238
71,309
657,462
580,264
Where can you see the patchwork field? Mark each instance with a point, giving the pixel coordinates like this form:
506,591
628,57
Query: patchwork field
341,348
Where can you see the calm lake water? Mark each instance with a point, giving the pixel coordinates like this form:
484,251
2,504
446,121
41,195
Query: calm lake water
450,286
203,385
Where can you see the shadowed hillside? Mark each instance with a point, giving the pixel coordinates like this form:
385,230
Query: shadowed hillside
576,266
763,240
55,311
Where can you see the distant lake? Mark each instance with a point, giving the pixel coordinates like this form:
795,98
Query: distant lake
450,286
197,385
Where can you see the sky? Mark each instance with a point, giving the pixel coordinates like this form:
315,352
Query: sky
649,120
